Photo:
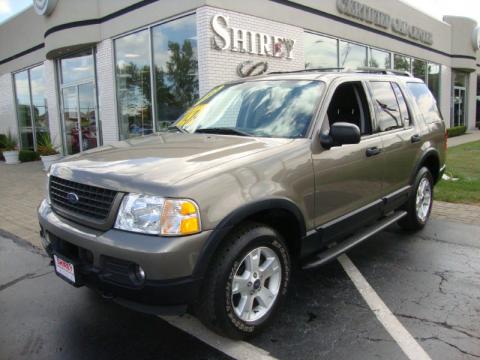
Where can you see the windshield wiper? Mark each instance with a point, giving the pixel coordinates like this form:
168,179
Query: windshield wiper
178,128
223,131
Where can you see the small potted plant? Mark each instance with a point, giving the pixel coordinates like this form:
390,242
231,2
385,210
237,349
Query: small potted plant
48,152
10,151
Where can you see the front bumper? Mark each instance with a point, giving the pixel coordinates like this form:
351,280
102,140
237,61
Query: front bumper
105,260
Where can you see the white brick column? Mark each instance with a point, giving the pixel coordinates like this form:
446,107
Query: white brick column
8,118
54,118
106,91
218,66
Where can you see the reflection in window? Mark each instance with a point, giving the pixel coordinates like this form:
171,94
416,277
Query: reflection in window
320,52
386,106
36,122
434,80
352,56
176,68
133,84
401,62
259,108
77,67
425,101
379,59
419,69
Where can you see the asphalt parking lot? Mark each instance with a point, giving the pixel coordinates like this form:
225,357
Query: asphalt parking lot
430,281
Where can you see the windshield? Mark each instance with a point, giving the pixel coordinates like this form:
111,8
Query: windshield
255,108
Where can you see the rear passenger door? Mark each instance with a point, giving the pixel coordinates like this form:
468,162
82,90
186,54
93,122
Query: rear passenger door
400,137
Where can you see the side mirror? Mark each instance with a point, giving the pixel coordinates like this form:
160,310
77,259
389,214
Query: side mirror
341,133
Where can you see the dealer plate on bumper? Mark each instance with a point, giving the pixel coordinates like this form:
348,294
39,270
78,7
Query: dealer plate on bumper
64,269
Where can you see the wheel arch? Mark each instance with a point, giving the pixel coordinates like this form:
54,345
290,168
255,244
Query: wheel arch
281,214
431,160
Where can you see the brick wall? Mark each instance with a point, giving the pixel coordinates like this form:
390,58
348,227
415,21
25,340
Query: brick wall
8,120
218,66
106,91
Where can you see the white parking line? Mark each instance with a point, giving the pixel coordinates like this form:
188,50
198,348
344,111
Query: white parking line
239,350
404,339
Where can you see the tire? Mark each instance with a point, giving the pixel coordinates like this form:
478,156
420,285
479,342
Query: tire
233,271
417,217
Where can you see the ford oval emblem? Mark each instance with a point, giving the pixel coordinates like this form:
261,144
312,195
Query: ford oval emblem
72,198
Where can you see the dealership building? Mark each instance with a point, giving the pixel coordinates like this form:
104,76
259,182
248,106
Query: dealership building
93,72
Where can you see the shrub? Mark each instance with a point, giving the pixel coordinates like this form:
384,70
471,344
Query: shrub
456,131
478,124
10,142
45,145
28,155
3,139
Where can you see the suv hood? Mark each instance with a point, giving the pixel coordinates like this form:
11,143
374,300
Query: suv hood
162,159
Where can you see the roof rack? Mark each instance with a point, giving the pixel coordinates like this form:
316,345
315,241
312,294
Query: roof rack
308,70
374,70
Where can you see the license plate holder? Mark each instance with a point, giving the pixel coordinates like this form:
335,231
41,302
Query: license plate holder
66,269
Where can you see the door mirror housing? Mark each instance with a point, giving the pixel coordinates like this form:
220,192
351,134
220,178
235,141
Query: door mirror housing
341,133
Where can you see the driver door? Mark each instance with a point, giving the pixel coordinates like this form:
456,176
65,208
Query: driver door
348,178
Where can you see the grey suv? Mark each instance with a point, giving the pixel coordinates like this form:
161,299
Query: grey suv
260,174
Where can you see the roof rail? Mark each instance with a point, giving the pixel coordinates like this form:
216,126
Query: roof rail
308,70
374,70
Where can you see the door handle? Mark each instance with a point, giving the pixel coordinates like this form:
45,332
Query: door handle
373,151
415,138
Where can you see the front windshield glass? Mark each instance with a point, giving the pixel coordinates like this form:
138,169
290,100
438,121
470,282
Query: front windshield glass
255,108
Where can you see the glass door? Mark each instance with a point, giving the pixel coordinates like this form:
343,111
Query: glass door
80,117
79,102
459,97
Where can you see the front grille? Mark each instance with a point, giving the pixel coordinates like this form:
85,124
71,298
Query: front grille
93,202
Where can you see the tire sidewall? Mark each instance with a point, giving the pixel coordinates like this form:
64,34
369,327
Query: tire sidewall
256,237
423,173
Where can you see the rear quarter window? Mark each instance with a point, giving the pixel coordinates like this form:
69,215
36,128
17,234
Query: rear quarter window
425,101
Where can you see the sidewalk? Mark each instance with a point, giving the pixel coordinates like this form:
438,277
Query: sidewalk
22,188
471,135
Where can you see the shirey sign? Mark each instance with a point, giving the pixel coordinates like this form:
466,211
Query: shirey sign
227,37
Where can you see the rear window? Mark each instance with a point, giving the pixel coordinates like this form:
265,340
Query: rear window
425,101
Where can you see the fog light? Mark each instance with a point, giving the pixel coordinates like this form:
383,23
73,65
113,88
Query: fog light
139,274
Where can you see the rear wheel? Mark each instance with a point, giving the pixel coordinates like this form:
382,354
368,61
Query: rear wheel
246,285
419,204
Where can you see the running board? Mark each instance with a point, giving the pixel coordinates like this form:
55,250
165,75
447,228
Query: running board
347,244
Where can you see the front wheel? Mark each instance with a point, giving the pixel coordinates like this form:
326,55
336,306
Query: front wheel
419,204
248,281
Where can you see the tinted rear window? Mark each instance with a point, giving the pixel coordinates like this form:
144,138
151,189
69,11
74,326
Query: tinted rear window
425,101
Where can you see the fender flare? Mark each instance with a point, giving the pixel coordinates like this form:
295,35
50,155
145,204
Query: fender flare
235,218
430,152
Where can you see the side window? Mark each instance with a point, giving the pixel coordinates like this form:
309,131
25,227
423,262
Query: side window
425,101
404,112
349,104
386,106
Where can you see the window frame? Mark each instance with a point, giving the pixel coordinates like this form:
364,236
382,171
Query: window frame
14,87
153,90
322,124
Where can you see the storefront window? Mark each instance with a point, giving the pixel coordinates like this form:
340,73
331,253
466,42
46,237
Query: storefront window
419,69
79,101
32,113
352,56
133,84
77,67
434,80
320,52
401,62
379,59
176,68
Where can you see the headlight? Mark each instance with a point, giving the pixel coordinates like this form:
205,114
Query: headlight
47,187
158,216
